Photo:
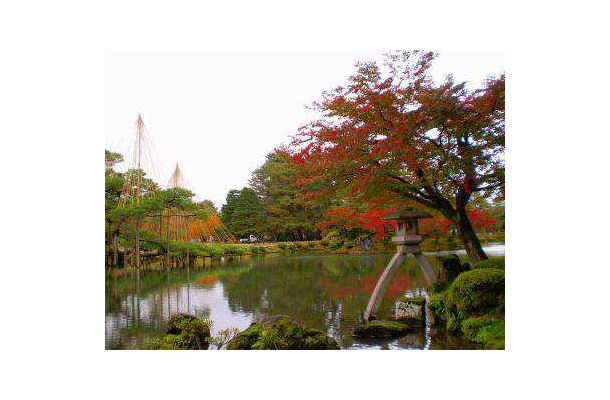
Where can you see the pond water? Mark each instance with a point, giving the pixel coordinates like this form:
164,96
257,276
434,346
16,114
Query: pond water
323,291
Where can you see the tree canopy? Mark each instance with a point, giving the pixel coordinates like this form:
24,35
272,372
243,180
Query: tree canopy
287,213
242,212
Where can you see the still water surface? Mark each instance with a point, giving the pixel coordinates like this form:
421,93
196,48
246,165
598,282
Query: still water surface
323,291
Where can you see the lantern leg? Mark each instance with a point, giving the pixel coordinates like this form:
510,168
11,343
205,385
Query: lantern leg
382,283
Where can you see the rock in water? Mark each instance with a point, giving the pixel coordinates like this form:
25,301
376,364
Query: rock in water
185,332
381,329
411,310
174,321
281,333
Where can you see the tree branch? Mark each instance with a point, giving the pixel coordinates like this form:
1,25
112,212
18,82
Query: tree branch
418,199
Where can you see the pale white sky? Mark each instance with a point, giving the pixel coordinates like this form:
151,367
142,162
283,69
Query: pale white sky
219,113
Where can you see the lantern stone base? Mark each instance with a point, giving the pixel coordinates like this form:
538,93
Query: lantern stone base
411,310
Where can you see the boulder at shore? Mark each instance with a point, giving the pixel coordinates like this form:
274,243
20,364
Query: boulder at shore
281,333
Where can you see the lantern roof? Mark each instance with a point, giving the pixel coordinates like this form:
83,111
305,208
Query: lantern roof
407,213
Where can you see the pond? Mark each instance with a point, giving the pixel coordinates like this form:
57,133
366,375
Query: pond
328,292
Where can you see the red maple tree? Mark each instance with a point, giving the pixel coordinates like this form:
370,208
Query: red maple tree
394,134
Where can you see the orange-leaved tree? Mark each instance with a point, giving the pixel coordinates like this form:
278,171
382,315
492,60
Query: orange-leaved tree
393,133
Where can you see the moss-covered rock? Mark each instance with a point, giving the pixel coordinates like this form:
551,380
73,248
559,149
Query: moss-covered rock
487,329
175,320
185,332
281,333
381,329
167,342
476,292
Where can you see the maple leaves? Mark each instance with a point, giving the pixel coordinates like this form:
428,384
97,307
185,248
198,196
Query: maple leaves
482,220
371,220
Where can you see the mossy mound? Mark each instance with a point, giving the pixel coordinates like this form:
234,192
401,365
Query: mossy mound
474,293
175,320
381,329
487,329
185,332
281,333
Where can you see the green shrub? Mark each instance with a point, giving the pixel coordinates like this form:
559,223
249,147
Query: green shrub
310,245
488,329
262,250
436,306
282,245
295,246
438,286
495,262
349,244
231,249
476,292
211,249
332,236
325,242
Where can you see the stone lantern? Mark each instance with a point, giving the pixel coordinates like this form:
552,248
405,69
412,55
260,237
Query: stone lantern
407,227
407,241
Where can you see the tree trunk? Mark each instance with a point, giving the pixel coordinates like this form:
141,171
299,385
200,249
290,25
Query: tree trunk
469,238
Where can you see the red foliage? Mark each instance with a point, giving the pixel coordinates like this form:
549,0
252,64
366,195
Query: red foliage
371,220
482,220
438,225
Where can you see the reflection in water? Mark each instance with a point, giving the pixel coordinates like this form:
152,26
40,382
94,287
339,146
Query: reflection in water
325,292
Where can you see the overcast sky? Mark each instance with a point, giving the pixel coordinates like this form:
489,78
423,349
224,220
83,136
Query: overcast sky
218,114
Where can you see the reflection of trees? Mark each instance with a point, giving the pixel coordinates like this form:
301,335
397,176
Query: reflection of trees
327,293
138,304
